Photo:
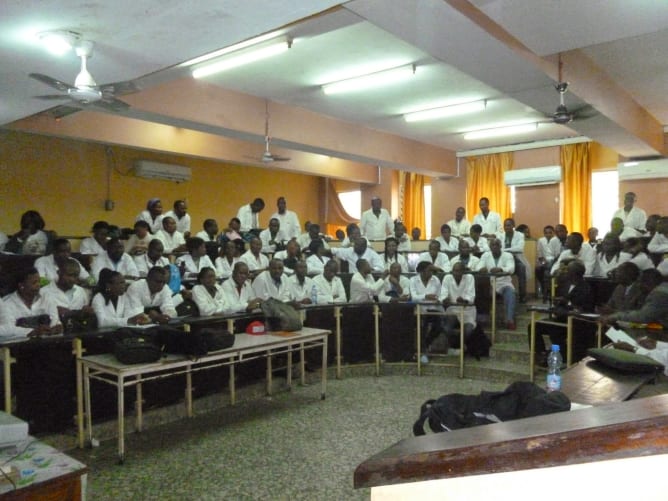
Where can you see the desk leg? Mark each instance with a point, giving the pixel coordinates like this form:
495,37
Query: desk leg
337,316
288,375
138,405
269,382
302,365
121,418
230,325
376,332
569,342
189,393
233,394
532,348
461,343
7,374
324,368
88,411
78,352
599,334
418,316
493,312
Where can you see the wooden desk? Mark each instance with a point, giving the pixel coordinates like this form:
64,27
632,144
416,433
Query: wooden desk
106,368
45,473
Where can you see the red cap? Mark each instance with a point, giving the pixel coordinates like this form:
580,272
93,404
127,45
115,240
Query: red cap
256,328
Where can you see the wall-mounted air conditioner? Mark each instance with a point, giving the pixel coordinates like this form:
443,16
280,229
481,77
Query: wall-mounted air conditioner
534,176
643,169
157,170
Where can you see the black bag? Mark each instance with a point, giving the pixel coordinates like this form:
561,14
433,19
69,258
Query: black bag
217,339
179,342
478,344
188,308
78,321
281,316
34,321
521,399
136,350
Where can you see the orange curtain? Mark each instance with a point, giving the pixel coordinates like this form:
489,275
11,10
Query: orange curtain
484,178
413,201
332,211
575,161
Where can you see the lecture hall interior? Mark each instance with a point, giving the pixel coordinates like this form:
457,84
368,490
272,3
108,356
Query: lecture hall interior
405,100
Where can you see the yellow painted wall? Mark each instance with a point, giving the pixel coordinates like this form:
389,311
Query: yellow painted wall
66,181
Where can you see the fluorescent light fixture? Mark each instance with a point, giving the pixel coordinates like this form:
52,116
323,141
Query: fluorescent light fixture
445,111
631,164
509,130
242,57
370,80
58,42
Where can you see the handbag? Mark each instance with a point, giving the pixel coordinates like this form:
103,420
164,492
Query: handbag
136,350
217,339
75,321
281,316
34,321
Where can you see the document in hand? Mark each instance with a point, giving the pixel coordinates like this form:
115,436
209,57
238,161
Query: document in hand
618,335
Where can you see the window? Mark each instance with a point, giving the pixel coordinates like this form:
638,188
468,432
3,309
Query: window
352,203
604,199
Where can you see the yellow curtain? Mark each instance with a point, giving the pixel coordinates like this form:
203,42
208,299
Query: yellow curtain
413,201
575,161
484,178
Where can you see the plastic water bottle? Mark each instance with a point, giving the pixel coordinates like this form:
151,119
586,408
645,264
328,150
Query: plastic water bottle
554,369
314,294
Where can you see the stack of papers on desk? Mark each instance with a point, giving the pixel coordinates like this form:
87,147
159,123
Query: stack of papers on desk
618,336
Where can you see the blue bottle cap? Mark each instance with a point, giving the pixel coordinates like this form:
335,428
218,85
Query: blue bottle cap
555,347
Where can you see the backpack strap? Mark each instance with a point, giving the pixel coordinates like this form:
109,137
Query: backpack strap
425,412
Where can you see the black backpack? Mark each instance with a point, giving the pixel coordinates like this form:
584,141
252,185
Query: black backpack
281,316
132,348
519,400
179,342
478,344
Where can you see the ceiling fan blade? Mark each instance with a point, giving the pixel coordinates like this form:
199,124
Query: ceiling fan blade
278,158
50,97
52,82
61,111
112,104
585,112
120,88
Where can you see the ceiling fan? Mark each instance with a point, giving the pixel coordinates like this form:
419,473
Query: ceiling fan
85,90
562,115
268,157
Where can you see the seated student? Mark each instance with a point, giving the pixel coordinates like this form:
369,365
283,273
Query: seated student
273,237
425,287
48,266
465,257
313,233
574,296
196,259
513,242
447,242
113,308
498,261
17,308
396,287
317,259
439,260
524,230
633,247
352,232
152,215
181,216
249,215
576,250
547,249
153,296
479,244
229,256
138,242
360,250
31,238
618,228
653,310
592,238
97,244
239,294
330,287
254,259
272,283
208,295
391,256
65,292
658,244
171,239
301,285
457,294
404,242
210,231
363,287
459,226
152,257
115,259
232,232
628,294
609,256
340,235
416,233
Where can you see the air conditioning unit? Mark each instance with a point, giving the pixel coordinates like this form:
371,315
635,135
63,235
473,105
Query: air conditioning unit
157,170
534,176
643,169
